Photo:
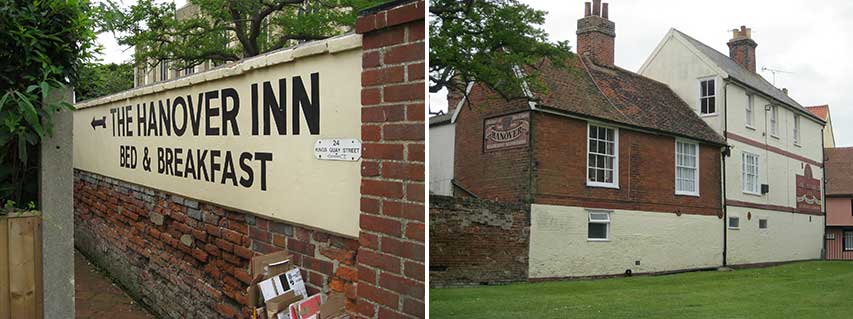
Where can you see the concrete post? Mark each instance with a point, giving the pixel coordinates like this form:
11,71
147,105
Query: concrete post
56,188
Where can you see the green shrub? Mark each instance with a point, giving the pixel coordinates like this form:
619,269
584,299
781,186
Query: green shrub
43,43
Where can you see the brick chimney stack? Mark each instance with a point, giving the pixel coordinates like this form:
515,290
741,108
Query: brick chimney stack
742,48
596,33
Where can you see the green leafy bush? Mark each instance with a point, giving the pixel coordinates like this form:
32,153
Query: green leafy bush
43,43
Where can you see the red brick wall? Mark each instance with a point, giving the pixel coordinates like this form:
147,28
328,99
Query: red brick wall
646,171
189,259
392,253
835,247
500,175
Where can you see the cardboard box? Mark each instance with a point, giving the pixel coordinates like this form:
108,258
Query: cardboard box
265,267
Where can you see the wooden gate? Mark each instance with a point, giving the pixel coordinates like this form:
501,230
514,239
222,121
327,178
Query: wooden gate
20,266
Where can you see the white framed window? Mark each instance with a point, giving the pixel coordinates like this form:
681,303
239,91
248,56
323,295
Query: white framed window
848,240
762,224
796,129
750,174
602,156
734,222
750,117
707,97
774,120
686,168
598,228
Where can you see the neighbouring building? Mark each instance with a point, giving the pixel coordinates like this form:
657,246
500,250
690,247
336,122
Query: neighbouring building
839,203
822,111
620,174
442,140
773,174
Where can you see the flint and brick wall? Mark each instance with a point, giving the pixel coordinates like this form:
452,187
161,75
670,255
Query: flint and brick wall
189,259
392,252
475,241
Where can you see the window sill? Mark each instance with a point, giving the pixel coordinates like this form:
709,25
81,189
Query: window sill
753,194
709,115
797,144
597,240
734,228
774,136
602,185
686,194
750,127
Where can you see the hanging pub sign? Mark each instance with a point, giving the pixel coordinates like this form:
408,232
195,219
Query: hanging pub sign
507,131
243,136
808,192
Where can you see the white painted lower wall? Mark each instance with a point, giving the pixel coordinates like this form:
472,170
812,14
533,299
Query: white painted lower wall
660,241
788,237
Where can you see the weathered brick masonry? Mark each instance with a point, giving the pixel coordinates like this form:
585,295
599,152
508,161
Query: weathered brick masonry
392,252
189,259
475,241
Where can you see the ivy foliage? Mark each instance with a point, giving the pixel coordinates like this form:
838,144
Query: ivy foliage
496,43
224,30
43,44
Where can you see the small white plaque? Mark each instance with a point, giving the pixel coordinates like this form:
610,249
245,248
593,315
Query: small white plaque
338,149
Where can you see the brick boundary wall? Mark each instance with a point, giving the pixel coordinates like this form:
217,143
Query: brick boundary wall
188,259
392,253
464,234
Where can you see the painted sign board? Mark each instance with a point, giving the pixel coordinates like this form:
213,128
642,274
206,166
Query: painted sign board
242,136
808,192
506,131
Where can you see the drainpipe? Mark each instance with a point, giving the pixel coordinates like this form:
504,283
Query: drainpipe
726,153
823,192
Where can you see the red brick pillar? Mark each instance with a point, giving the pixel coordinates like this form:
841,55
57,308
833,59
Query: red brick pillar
391,257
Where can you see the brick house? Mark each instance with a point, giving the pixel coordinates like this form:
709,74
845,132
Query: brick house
619,172
773,175
839,203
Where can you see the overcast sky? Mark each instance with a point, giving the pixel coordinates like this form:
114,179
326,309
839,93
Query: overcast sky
114,53
811,39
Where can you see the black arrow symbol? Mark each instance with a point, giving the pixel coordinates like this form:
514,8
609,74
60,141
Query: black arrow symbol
102,122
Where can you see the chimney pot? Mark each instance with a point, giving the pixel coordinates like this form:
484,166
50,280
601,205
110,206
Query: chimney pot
587,9
596,34
742,48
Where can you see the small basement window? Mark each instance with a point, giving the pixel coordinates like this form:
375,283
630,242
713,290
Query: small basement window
599,226
762,224
734,223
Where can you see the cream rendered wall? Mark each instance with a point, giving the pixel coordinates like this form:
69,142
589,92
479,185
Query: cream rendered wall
828,135
660,241
677,66
788,237
442,139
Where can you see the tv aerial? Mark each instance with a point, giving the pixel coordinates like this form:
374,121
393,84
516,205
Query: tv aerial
774,71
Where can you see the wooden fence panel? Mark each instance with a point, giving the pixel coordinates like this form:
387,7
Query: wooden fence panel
4,268
20,268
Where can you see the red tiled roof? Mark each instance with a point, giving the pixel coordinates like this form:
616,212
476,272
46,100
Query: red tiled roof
615,94
839,170
821,111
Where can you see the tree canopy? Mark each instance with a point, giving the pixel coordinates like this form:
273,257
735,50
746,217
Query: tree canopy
225,30
497,43
43,44
96,80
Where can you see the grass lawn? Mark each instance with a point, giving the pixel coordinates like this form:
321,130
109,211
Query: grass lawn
818,289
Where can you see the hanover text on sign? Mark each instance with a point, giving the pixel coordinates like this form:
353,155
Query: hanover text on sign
241,136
